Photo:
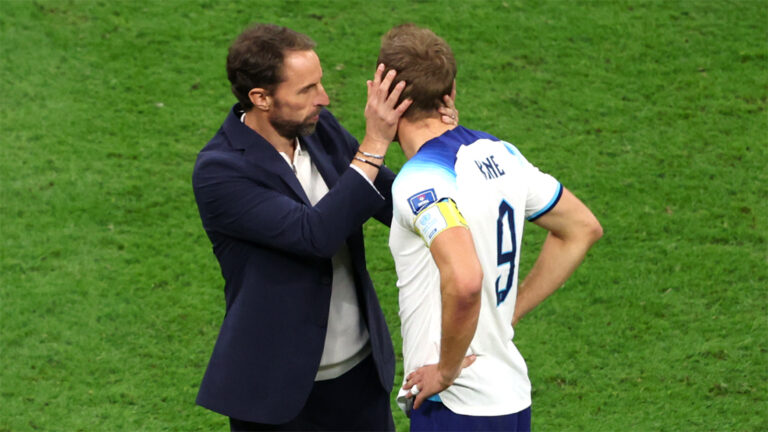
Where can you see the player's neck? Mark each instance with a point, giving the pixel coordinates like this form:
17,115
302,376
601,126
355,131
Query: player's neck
413,134
258,122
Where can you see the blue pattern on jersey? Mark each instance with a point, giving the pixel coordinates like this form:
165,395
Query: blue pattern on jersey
512,149
443,149
438,155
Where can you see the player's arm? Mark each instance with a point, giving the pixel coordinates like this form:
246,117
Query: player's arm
461,280
573,229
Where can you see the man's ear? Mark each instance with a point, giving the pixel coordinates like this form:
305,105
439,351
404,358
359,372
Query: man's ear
453,91
260,98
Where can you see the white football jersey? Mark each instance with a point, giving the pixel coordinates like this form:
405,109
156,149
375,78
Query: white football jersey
496,189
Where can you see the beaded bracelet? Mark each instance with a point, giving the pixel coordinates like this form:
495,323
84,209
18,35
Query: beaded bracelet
368,162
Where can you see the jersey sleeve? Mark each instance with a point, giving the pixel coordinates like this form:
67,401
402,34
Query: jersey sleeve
416,194
544,191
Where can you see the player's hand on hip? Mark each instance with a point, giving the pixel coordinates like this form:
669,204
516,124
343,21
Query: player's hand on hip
382,112
429,380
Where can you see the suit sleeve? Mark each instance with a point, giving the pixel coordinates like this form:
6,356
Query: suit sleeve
384,185
232,202
383,181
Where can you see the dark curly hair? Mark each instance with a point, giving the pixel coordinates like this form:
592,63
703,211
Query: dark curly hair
255,58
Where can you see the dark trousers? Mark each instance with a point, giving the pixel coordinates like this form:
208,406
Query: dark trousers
354,401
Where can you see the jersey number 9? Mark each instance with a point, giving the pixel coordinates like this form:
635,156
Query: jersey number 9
505,250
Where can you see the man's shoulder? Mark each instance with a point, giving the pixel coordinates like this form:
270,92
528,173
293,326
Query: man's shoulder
422,181
218,152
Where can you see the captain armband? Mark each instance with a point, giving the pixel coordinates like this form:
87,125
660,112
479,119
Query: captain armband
436,218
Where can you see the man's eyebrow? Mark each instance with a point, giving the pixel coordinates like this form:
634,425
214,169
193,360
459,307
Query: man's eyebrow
307,87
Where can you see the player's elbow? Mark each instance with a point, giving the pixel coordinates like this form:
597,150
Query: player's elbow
586,231
592,231
468,283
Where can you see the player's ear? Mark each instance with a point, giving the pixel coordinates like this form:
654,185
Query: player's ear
453,91
260,98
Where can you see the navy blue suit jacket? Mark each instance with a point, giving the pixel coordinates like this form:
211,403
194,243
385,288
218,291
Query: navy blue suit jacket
275,250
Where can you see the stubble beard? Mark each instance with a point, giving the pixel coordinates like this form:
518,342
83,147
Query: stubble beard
292,129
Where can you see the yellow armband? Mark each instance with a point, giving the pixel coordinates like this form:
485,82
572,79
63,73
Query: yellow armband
436,218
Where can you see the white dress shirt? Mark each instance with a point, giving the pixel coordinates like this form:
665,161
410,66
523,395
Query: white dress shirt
346,339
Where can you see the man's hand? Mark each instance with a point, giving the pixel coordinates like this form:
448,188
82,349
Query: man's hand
382,115
381,111
429,380
448,113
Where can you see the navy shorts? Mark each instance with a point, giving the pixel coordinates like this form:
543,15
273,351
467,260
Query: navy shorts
434,416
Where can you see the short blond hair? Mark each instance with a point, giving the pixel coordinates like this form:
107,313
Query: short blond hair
424,61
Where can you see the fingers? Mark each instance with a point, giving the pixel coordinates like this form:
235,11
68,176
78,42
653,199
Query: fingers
403,106
416,394
417,386
382,85
427,381
388,78
448,101
414,391
395,94
377,75
412,385
372,85
382,111
410,380
468,360
449,114
417,402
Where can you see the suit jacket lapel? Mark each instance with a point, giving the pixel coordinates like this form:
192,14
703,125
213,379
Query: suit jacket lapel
260,153
321,159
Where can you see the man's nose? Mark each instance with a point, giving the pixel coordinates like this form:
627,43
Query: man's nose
322,99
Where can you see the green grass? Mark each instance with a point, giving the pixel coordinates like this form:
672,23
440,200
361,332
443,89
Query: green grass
654,113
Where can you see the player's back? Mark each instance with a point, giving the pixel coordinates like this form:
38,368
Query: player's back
495,189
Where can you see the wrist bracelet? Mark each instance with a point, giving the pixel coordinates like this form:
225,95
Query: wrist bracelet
368,162
371,155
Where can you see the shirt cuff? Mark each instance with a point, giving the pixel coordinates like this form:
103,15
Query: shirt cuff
360,171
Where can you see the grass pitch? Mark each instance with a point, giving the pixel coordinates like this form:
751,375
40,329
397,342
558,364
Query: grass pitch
653,113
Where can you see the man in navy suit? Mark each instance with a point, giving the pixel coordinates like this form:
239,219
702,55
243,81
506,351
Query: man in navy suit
283,191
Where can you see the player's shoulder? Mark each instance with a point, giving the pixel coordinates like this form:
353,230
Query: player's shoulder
420,174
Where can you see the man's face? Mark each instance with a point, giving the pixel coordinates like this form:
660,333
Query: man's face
299,99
